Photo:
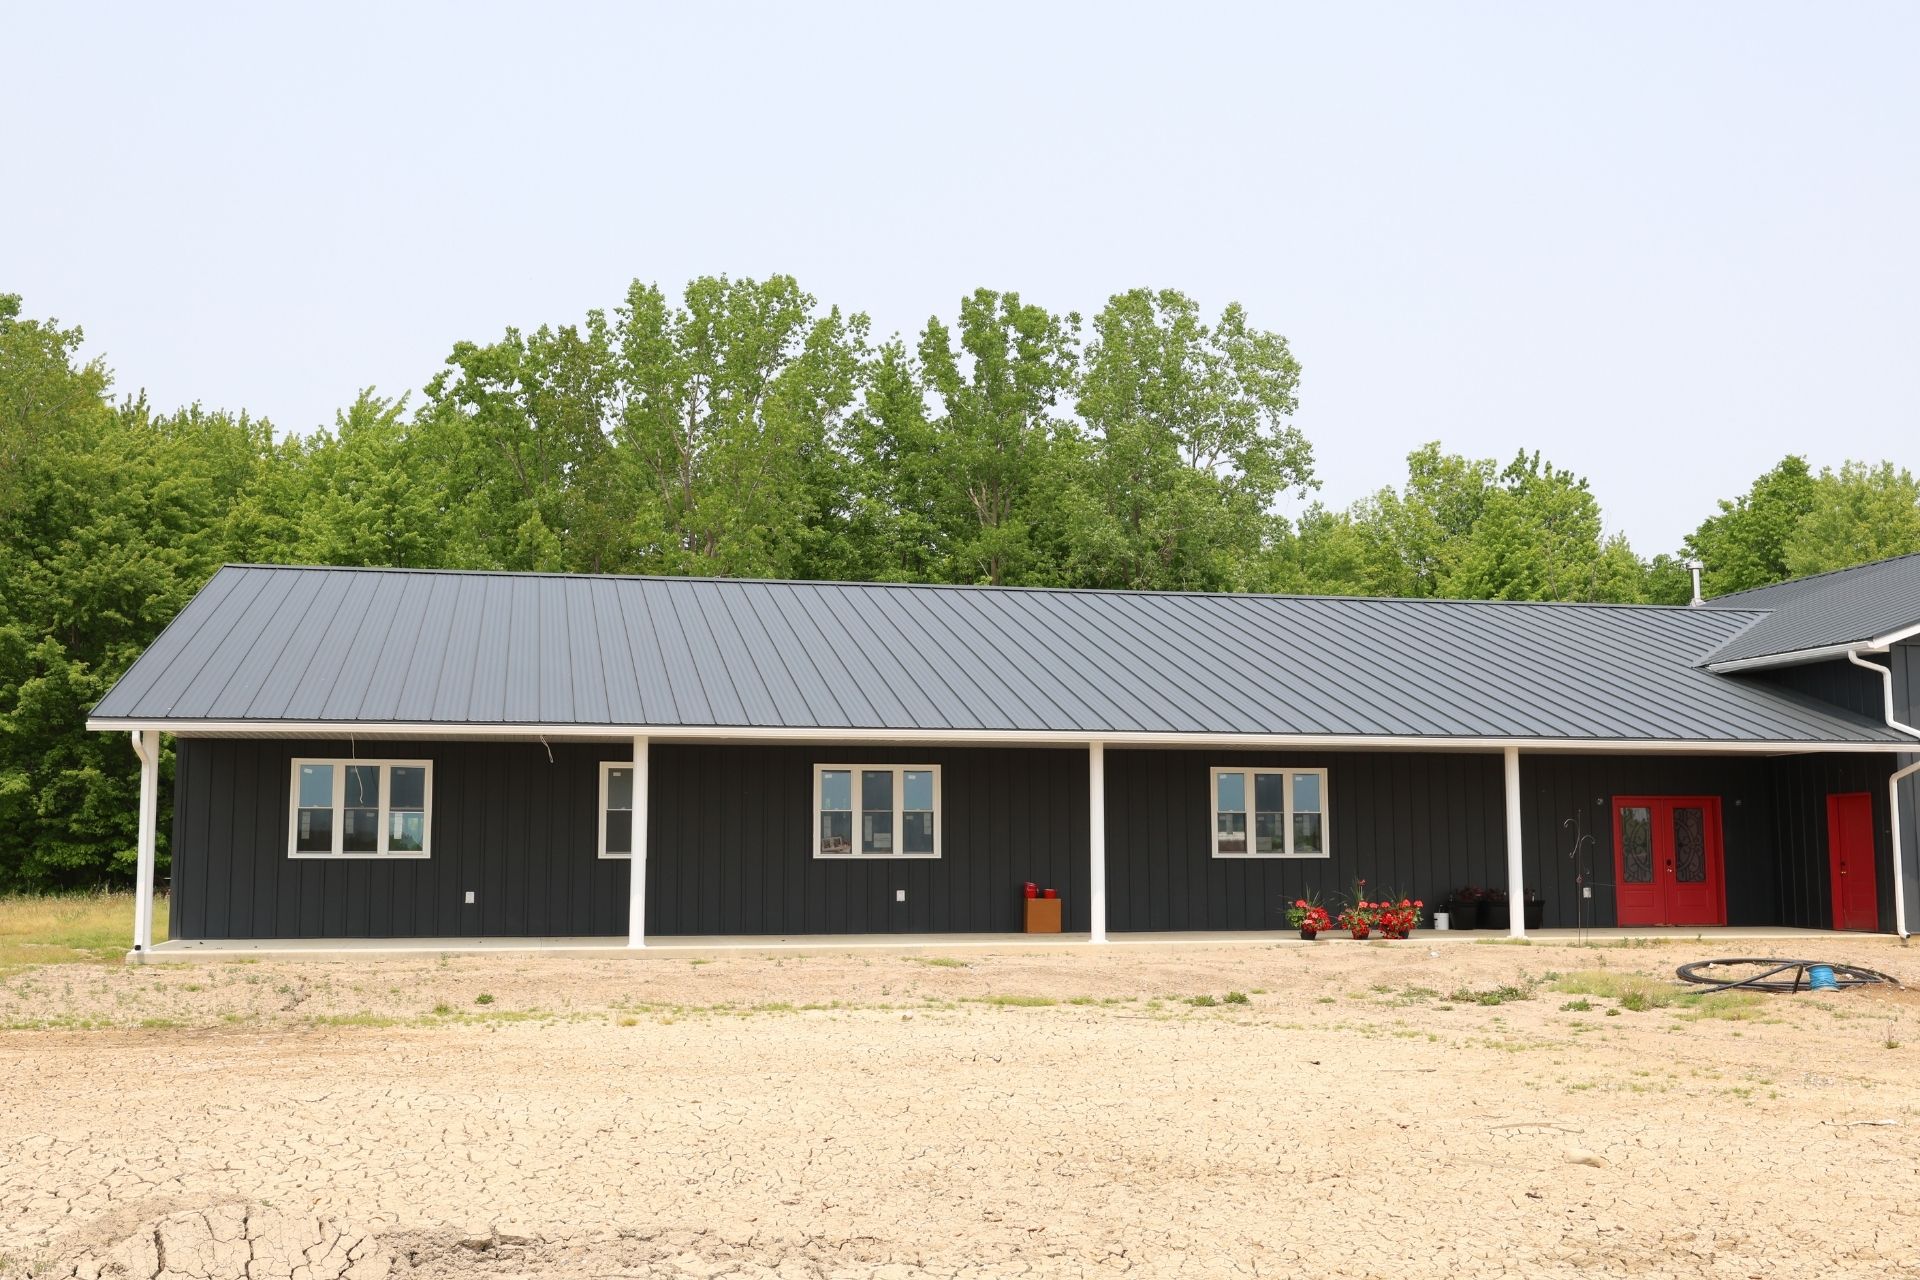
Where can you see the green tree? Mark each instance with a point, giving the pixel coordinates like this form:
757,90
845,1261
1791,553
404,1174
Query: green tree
114,517
1001,448
366,497
1190,443
514,435
1539,538
1859,513
733,409
1745,545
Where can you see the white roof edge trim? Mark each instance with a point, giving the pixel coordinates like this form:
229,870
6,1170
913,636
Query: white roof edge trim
969,737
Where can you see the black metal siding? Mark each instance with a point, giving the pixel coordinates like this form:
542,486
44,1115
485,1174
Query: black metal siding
1412,824
1773,814
728,850
1838,683
1424,824
508,824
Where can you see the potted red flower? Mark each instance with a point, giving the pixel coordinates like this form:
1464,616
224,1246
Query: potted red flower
1309,917
1361,912
1400,919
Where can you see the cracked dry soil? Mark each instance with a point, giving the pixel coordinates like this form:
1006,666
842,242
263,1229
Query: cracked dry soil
1362,1114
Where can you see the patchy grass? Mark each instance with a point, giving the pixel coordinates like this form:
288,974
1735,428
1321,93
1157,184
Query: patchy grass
938,962
64,928
1639,994
1019,1002
1492,995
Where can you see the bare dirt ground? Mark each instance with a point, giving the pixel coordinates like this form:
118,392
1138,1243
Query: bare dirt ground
1403,1110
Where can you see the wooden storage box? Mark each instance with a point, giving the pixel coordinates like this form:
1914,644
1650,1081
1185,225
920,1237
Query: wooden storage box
1043,915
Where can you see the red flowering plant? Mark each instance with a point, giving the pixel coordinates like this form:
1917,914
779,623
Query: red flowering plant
1361,913
1399,919
1307,915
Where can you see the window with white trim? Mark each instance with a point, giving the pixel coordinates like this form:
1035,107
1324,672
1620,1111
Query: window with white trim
1269,813
876,811
361,809
616,809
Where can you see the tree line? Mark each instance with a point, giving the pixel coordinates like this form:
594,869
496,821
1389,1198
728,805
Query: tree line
745,429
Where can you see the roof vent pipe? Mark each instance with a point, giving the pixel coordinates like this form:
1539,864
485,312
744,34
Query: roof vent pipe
1694,567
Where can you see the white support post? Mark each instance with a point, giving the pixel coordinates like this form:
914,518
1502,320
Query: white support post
1097,841
147,748
1516,866
637,864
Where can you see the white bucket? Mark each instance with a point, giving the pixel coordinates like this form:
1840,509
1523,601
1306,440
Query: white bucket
1441,922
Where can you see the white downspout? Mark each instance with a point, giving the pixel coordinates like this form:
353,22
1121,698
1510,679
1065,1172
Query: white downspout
149,753
1893,792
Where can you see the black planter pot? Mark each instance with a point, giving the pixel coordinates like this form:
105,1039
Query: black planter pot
1536,912
1495,915
1308,935
1463,915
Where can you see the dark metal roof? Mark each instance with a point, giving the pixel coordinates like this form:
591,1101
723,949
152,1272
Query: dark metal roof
369,647
1847,606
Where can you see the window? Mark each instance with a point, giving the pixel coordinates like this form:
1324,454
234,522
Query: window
876,811
616,809
1269,813
361,808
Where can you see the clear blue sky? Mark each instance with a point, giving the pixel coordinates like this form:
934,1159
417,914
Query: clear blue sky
1665,243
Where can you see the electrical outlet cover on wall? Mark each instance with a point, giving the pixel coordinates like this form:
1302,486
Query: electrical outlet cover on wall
899,895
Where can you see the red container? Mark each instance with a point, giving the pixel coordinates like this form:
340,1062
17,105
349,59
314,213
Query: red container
1051,893
1031,890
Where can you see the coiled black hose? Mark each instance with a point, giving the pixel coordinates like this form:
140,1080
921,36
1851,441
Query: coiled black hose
1844,975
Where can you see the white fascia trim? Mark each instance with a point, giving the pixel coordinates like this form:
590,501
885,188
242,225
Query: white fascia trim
968,737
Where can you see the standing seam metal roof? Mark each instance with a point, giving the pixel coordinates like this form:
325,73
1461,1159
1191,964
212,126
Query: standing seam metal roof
366,647
1846,606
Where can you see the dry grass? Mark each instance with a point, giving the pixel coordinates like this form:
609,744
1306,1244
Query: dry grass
67,927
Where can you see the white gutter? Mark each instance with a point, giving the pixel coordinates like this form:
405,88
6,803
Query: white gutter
1893,794
964,737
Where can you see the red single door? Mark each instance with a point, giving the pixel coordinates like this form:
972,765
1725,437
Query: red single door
1856,896
1668,860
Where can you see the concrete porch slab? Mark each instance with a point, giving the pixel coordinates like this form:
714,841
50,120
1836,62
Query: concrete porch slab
185,951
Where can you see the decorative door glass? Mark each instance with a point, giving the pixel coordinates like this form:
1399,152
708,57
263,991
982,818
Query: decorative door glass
1636,845
1690,846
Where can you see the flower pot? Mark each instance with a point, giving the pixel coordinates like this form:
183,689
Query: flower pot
1536,913
1308,935
1360,934
1495,915
1463,915
1397,934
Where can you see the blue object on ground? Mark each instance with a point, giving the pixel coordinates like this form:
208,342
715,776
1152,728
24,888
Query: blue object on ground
1820,978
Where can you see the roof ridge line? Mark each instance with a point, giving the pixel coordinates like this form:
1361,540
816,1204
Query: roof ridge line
985,586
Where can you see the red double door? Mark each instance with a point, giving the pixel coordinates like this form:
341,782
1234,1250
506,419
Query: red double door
1668,860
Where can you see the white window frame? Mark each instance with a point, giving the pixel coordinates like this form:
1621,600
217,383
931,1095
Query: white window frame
606,768
339,789
899,811
1287,772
